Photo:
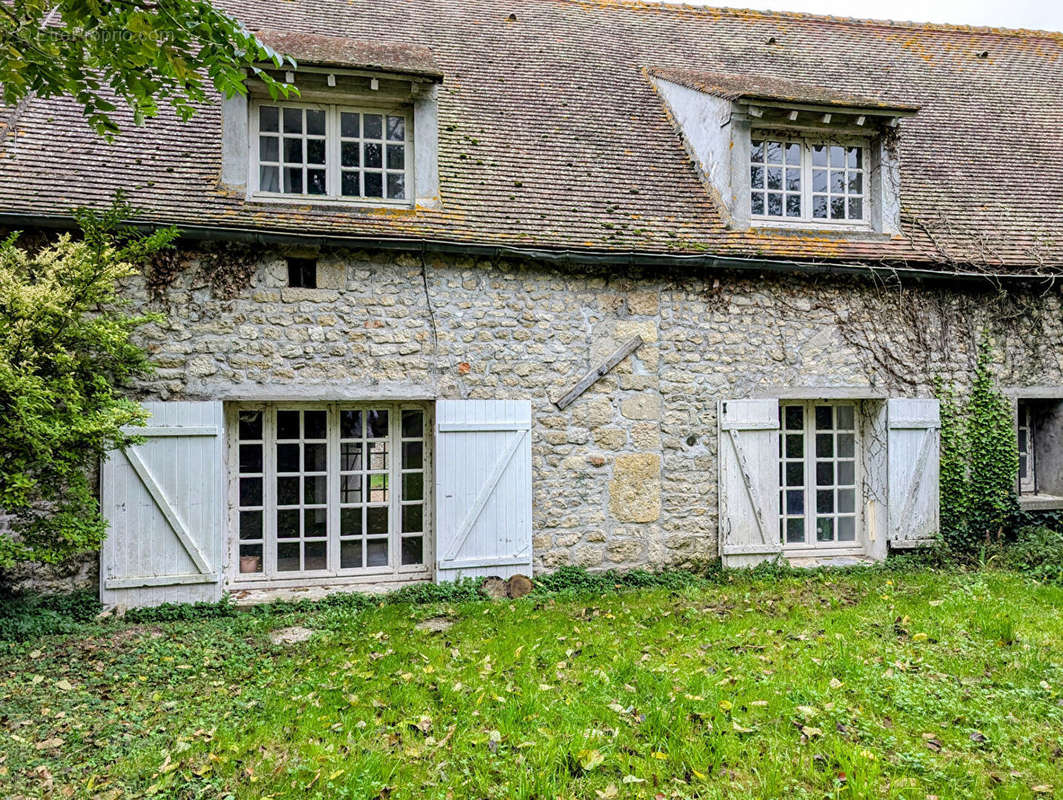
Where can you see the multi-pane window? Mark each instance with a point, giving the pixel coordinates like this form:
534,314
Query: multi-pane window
325,490
818,474
1027,473
331,152
800,181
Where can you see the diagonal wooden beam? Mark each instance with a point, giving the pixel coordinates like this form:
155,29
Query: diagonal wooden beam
588,380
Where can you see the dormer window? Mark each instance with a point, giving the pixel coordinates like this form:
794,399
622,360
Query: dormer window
332,151
801,180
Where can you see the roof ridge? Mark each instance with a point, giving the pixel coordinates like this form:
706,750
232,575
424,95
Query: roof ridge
670,6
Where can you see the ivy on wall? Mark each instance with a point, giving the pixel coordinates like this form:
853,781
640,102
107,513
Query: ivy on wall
979,458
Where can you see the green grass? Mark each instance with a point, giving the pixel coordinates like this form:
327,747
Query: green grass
867,684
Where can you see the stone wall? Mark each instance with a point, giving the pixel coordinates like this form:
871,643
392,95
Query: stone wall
626,475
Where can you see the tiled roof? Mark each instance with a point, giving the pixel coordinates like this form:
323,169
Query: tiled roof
552,135
340,51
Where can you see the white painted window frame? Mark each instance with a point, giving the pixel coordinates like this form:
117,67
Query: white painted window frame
270,578
333,169
1027,479
806,220
810,545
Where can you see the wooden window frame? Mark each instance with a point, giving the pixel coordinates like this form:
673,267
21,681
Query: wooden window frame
806,220
333,574
810,545
333,146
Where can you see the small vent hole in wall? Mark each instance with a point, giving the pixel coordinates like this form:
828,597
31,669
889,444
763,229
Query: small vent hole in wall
302,273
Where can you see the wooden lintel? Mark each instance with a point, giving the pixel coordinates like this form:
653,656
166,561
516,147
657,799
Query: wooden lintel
588,380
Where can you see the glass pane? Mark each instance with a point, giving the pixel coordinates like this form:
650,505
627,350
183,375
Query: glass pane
349,125
824,418
413,550
793,153
856,183
846,416
824,473
250,524
825,501
315,151
825,529
795,473
374,184
314,555
846,529
351,489
412,424
314,423
372,154
854,157
795,530
378,455
268,148
349,152
846,445
350,425
837,182
774,205
315,122
412,455
350,522
795,501
288,523
250,458
288,556
315,181
846,473
396,128
795,446
374,126
269,179
773,152
250,424
856,208
351,456
756,150
293,180
293,150
793,180
376,520
795,417
376,553
846,501
837,156
376,424
819,155
824,445
287,491
315,489
793,205
293,120
250,491
837,208
268,118
756,201
819,206
756,176
315,522
250,558
413,486
397,186
287,458
819,180
412,519
378,488
350,184
774,177
315,457
350,555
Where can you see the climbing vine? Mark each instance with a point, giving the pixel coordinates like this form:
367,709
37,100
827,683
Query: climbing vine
979,458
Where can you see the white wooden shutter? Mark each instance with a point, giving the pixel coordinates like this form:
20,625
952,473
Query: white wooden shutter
165,507
912,453
483,488
749,481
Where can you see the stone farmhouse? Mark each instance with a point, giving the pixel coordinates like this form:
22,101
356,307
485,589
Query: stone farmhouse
519,284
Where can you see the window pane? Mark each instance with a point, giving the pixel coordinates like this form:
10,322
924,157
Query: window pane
774,205
315,151
315,457
756,177
376,553
293,120
824,418
824,473
351,489
288,523
846,445
349,154
376,424
288,556
819,155
846,415
856,208
287,491
412,519
413,486
269,179
250,424
846,473
351,456
250,491
314,422
396,128
824,445
250,524
412,424
793,180
846,501
793,205
287,458
413,550
350,125
315,522
315,181
819,206
250,558
315,489
350,522
315,122
837,208
293,180
795,501
795,530
846,529
854,157
293,150
793,154
774,177
350,555
773,152
837,181
795,473
825,529
268,148
250,458
412,455
314,555
837,156
378,488
795,417
376,520
374,184
757,203
372,153
756,150
795,446
819,180
397,186
374,126
349,185
268,118
825,501
350,425
856,183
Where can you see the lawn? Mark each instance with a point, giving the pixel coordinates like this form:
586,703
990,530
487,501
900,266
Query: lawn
902,684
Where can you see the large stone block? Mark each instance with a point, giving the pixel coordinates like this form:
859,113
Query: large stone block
635,490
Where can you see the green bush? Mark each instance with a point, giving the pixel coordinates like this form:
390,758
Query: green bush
1037,551
26,616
